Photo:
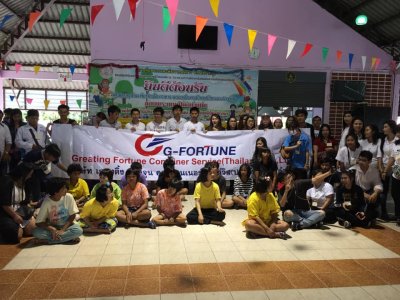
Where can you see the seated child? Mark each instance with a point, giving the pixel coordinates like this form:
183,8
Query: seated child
167,175
77,187
55,221
134,202
221,181
263,209
98,214
106,175
242,186
169,206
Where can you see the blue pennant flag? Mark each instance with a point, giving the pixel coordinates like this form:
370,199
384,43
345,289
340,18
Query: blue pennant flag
351,56
12,98
228,31
72,69
5,19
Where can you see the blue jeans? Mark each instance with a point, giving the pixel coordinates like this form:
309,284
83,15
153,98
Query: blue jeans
306,218
74,231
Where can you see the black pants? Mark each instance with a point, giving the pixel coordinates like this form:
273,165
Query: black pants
396,196
8,229
384,194
209,214
37,185
370,214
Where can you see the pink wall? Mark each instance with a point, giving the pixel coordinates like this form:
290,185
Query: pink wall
301,20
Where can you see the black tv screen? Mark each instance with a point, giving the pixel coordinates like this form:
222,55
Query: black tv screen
348,91
208,39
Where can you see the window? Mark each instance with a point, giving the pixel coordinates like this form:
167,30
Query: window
15,103
73,97
56,98
36,97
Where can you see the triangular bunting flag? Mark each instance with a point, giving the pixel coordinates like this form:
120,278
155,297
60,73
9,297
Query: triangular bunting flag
64,15
17,67
339,56
228,32
63,102
33,17
252,37
132,7
363,61
200,23
36,69
79,102
29,100
214,6
290,46
307,49
173,7
4,21
118,4
12,97
95,9
325,52
72,69
166,18
46,103
373,61
351,56
377,63
271,42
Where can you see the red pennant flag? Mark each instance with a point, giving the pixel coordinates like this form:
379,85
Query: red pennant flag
132,7
338,55
33,16
307,49
95,9
63,102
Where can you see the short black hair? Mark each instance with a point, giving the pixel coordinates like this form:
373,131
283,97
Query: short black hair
169,162
158,110
316,117
261,184
203,174
108,173
113,109
74,168
8,111
21,171
177,106
194,108
101,193
55,184
301,111
136,165
214,164
176,184
101,115
315,172
53,150
366,154
135,109
131,171
32,113
63,106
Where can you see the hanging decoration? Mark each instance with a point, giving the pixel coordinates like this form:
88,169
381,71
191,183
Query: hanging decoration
377,63
290,47
17,67
65,13
351,56
36,69
12,97
79,102
338,56
373,62
325,52
33,17
166,18
173,7
46,103
29,100
4,20
118,5
228,32
363,61
200,23
252,34
63,102
95,10
72,69
307,49
132,7
215,6
271,42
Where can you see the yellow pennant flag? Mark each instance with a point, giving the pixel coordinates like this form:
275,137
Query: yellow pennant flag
46,103
36,69
214,6
252,37
373,62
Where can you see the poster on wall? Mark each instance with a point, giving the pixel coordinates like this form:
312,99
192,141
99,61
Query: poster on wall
223,91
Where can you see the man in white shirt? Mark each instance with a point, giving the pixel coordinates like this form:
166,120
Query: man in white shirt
135,124
113,115
176,123
32,135
5,145
194,125
157,124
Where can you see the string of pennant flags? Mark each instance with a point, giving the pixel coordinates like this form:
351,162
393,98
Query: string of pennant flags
170,9
47,101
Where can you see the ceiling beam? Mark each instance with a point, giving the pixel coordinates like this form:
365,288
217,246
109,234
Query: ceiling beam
46,65
373,26
61,38
51,52
66,22
9,9
72,3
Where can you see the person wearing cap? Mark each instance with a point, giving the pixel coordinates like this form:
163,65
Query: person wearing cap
265,122
32,135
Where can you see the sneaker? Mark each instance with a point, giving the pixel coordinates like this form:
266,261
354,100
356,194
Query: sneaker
347,224
151,225
296,226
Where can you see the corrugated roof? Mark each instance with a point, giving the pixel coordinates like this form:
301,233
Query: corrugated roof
50,84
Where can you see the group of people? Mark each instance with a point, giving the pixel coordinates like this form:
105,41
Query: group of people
325,180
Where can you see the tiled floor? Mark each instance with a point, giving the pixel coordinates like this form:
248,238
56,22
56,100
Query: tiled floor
208,262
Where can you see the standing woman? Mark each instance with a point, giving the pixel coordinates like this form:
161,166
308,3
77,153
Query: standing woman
265,122
347,155
395,160
324,145
266,167
232,124
357,127
13,198
261,143
372,143
15,123
250,123
385,163
278,124
215,123
347,119
243,121
289,122
207,199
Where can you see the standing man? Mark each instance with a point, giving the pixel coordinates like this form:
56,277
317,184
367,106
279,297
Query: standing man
32,135
5,146
177,122
135,124
112,120
316,122
194,125
301,116
63,112
157,124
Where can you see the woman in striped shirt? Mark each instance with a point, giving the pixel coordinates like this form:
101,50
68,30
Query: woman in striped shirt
242,186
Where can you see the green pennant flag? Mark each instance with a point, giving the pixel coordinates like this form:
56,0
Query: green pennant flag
324,53
64,15
166,18
79,102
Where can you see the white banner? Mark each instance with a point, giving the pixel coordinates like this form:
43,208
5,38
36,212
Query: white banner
98,148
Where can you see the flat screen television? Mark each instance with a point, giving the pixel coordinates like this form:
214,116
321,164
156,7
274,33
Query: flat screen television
208,39
348,91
